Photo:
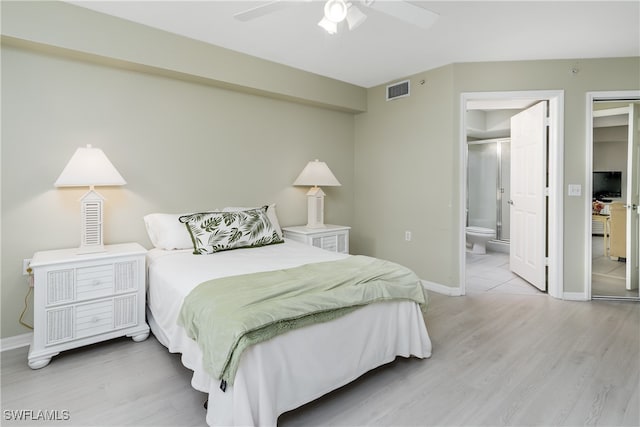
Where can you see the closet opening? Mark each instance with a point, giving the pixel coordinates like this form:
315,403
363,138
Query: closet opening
613,184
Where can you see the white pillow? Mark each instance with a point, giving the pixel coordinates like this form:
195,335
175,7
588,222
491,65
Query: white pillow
167,232
271,214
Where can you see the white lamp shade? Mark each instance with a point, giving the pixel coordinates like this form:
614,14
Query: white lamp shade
317,173
89,167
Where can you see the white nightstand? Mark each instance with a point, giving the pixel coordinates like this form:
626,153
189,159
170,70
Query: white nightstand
332,237
83,299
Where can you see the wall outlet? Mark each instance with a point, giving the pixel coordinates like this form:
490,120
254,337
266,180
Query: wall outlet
407,236
26,270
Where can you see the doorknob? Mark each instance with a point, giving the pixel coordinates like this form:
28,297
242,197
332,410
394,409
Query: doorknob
633,207
510,202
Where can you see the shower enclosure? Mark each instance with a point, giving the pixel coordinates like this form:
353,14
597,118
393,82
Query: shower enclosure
488,185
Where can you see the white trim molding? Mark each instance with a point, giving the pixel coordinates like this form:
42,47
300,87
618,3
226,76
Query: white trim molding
575,296
441,289
16,341
630,95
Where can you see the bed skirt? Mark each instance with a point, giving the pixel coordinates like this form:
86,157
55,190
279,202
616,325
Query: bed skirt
295,368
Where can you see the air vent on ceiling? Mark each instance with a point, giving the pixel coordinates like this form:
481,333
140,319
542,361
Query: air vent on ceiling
398,90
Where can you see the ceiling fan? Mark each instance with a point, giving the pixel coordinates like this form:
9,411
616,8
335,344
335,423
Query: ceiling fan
338,11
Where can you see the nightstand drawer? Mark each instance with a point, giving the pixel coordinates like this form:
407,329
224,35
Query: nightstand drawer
83,320
94,318
95,281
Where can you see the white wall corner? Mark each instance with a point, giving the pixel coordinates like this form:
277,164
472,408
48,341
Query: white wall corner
574,296
441,289
16,341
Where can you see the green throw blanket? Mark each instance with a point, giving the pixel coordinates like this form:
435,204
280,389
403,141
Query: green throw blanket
225,316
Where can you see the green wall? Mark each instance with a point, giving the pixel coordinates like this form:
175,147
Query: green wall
404,177
407,159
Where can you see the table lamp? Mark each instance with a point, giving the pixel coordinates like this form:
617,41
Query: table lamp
316,173
90,167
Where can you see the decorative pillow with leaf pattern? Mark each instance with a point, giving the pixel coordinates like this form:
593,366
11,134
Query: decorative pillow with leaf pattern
213,232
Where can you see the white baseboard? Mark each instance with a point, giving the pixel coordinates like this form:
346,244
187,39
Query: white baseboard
574,296
17,341
441,289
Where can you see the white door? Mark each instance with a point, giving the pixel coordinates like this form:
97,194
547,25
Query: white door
528,200
633,199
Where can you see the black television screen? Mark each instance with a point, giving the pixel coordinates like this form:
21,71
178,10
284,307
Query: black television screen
607,184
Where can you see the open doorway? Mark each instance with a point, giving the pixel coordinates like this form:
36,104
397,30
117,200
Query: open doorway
491,108
613,181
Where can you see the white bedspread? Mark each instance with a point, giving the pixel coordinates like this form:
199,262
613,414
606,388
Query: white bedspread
288,370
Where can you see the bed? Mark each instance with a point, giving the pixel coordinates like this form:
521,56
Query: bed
288,370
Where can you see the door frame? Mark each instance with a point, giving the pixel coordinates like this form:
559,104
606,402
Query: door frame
622,95
556,173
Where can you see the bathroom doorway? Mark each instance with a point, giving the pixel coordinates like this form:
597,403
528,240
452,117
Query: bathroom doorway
485,150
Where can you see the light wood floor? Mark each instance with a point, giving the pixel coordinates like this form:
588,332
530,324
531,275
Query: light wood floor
498,359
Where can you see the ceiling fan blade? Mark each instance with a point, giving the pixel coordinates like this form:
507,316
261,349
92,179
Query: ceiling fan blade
261,10
406,12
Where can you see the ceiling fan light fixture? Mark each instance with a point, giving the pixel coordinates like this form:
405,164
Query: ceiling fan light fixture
335,10
329,27
355,17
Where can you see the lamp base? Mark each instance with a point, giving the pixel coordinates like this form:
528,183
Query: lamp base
309,225
91,214
315,208
85,250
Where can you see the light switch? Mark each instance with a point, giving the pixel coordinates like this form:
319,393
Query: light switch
575,190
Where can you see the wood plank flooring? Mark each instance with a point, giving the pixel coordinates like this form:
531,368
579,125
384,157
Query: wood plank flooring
498,359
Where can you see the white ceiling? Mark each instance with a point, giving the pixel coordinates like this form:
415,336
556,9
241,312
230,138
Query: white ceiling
384,48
